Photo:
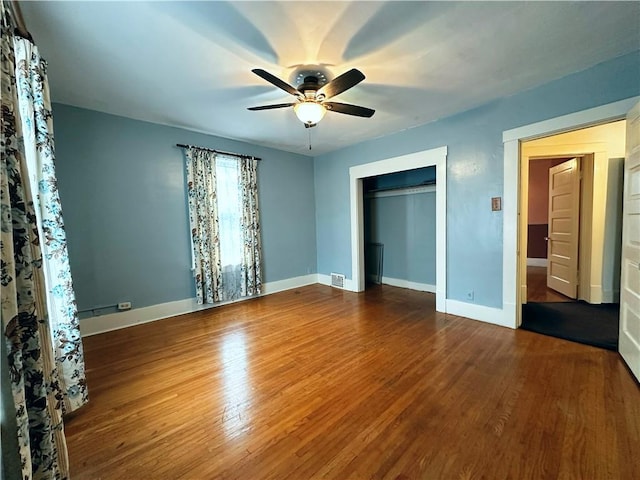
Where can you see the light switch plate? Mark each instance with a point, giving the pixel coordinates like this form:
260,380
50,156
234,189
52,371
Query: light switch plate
496,204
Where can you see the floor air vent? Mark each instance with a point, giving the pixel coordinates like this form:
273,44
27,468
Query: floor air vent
337,280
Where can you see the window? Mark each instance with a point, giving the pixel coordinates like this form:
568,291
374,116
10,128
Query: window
229,211
225,227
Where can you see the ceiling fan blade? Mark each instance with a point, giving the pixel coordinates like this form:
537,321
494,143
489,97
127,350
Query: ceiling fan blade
349,109
341,83
271,107
276,81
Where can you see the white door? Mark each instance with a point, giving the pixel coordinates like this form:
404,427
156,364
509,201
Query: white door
629,342
564,216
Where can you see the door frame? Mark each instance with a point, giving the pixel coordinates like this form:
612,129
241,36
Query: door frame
592,199
511,207
435,157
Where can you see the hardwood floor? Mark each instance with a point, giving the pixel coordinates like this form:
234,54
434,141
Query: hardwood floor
537,290
321,383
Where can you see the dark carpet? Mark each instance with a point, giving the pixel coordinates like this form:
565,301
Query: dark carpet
580,322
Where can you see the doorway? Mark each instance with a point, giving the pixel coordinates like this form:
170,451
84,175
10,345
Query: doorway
435,157
399,229
570,275
538,232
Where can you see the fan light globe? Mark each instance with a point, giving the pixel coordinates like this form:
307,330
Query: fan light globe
310,112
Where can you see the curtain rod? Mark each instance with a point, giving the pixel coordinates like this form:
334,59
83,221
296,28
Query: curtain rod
182,145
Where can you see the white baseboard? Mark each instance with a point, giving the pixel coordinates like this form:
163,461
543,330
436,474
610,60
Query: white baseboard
504,317
536,262
595,292
398,282
289,283
421,287
495,316
115,321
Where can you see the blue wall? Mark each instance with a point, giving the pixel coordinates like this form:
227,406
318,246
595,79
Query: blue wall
406,226
474,173
122,186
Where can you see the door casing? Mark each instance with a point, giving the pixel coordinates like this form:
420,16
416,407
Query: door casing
512,139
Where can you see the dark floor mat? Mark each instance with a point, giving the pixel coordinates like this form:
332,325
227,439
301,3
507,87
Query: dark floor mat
580,322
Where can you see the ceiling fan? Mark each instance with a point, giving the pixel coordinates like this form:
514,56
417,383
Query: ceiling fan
311,105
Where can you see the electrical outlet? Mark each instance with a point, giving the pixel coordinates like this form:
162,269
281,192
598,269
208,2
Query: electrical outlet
470,295
496,204
124,306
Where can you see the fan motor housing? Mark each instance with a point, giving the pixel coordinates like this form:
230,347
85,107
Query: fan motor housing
309,87
320,72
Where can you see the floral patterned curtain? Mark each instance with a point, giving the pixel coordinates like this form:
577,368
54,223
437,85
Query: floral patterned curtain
225,225
46,367
251,282
203,219
37,128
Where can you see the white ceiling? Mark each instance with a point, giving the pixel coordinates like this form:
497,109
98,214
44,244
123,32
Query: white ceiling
188,64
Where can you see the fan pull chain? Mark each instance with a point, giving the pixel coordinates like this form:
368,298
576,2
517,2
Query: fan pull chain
309,131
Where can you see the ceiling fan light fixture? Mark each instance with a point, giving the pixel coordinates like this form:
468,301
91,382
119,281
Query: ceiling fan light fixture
310,106
310,112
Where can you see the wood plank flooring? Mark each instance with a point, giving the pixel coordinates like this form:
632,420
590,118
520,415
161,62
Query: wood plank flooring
537,290
321,383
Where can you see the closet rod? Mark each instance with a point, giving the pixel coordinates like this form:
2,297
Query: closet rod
182,145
